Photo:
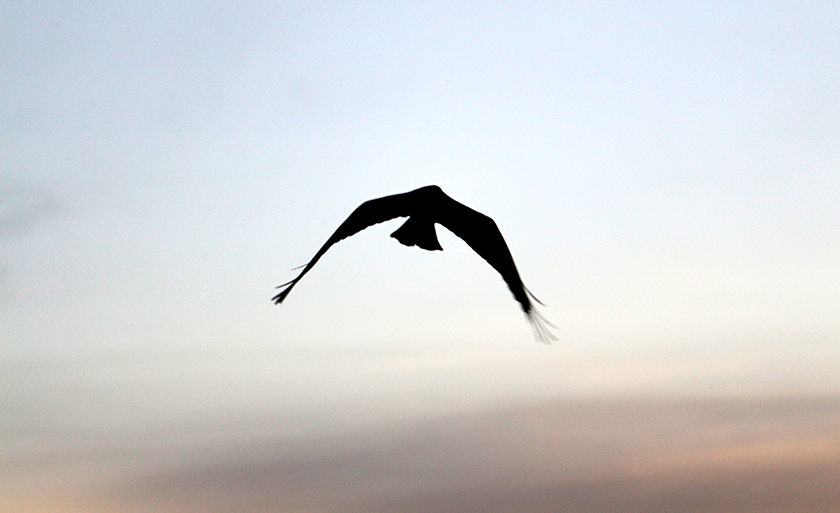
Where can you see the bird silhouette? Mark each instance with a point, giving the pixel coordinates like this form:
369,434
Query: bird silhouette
424,207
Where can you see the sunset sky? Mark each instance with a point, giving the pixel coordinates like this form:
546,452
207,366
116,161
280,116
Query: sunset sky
666,175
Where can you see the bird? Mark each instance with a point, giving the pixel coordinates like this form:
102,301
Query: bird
424,208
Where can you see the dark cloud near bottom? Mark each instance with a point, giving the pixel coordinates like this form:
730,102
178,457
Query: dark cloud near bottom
772,455
811,489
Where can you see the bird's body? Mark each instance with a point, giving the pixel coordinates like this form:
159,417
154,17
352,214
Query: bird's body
424,207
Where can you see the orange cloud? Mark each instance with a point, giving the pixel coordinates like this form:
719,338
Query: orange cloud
650,456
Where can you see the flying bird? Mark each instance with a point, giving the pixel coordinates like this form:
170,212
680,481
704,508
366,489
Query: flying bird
424,207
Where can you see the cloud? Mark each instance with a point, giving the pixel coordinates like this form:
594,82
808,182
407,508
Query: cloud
580,456
22,207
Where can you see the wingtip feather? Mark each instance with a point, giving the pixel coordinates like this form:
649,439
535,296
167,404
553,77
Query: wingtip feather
538,323
283,293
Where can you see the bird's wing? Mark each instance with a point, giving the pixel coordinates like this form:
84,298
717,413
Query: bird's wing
367,214
483,236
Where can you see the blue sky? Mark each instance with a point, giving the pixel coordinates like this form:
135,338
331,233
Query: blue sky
665,175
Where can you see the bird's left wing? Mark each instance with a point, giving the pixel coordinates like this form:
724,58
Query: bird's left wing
367,214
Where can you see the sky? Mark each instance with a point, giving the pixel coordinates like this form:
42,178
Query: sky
664,173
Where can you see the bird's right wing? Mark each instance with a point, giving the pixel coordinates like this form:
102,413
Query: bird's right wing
367,214
483,236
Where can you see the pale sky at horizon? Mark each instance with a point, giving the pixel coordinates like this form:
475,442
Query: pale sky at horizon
666,175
